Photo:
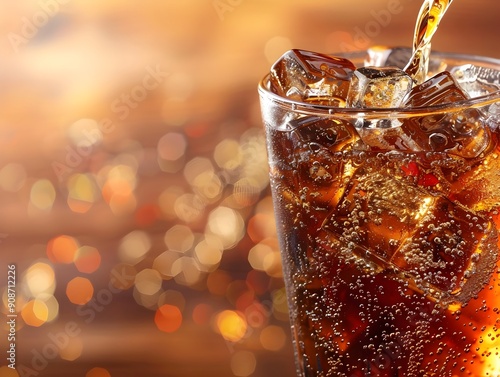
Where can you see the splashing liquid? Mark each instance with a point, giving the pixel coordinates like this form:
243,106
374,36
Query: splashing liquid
430,15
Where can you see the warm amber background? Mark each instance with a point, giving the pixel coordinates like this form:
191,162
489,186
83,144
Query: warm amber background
174,192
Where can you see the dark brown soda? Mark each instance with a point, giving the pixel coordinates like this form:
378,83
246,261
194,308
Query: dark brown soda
391,258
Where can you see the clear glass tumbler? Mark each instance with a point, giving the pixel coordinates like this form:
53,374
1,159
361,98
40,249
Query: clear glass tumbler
388,227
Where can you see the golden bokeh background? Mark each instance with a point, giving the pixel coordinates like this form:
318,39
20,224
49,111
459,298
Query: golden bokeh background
134,191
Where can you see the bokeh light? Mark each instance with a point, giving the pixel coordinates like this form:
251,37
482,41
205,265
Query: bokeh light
98,372
164,262
189,207
51,304
35,313
209,254
43,195
243,363
62,249
265,256
168,318
261,257
246,191
273,338
72,350
231,325
87,259
261,226
39,278
202,313
147,301
227,224
196,167
134,247
280,304
179,238
186,271
146,215
167,200
79,290
255,166
228,154
256,314
148,281
208,186
118,189
82,193
171,151
172,297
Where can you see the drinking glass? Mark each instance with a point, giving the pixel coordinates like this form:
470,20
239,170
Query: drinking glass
387,221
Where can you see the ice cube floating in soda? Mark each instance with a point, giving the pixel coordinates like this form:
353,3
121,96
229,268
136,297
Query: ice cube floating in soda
320,79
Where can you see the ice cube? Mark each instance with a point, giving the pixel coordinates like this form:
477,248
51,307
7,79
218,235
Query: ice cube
373,87
463,133
316,158
376,56
380,138
493,114
371,216
383,56
479,188
319,132
449,243
441,248
477,81
312,77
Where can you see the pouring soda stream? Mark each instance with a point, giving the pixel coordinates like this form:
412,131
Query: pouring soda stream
431,13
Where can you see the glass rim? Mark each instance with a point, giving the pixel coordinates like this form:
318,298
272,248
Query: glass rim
377,113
